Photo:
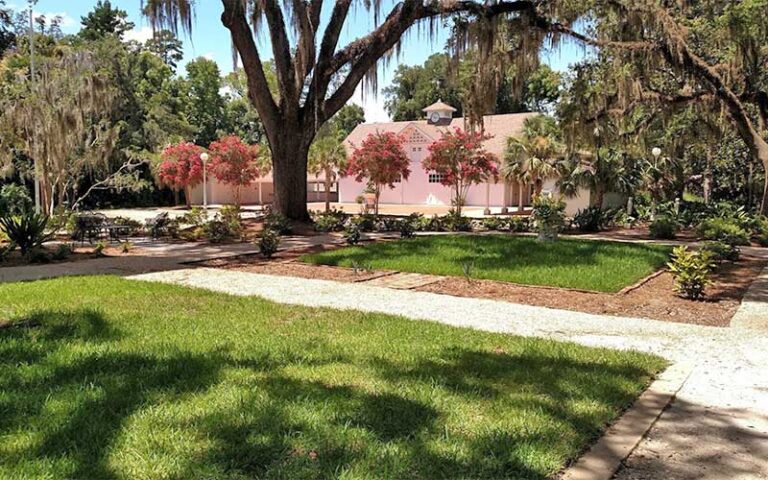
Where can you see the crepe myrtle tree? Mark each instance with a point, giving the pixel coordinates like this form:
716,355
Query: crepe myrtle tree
181,168
381,161
237,164
315,75
461,161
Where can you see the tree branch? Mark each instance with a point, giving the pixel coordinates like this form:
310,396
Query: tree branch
281,49
258,88
363,54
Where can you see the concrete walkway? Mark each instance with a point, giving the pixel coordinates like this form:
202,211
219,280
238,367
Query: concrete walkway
716,429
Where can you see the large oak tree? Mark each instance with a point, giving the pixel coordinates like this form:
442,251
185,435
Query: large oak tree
316,76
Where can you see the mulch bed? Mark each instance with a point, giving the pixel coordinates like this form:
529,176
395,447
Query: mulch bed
654,298
80,253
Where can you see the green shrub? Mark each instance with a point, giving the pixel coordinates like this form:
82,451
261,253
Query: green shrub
548,216
268,243
352,233
126,247
27,231
63,251
520,224
366,222
691,271
226,225
407,228
38,255
456,222
98,249
591,219
493,223
197,217
14,199
722,251
332,221
723,230
663,228
278,223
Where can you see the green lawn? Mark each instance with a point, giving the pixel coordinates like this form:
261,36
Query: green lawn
585,264
104,378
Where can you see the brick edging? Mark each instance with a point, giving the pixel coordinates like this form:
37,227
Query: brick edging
605,457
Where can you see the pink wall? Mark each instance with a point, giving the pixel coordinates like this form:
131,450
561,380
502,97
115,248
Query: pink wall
418,190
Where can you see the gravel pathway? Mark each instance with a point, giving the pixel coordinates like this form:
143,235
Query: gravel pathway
716,429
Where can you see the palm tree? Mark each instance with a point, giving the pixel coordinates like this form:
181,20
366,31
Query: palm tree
327,156
533,158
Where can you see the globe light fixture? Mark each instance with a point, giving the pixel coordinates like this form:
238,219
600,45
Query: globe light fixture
656,152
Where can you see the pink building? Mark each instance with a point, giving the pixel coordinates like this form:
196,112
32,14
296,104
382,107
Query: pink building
421,188
424,188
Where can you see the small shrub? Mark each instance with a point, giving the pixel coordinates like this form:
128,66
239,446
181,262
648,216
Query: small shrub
434,224
126,247
232,217
722,251
352,233
468,270
278,223
132,226
520,224
5,251
63,251
268,243
663,228
548,217
332,221
27,231
38,255
456,222
723,230
407,228
388,224
216,230
591,219
493,223
197,217
99,247
691,271
358,267
366,222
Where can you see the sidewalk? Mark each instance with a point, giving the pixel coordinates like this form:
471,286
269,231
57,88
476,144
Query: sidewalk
716,429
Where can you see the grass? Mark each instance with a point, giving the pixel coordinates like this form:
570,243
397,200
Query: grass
105,378
584,264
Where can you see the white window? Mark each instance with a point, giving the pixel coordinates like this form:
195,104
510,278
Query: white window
436,177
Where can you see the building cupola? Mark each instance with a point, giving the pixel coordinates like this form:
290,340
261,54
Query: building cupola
439,113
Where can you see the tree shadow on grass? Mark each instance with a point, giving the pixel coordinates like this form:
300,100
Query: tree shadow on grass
283,419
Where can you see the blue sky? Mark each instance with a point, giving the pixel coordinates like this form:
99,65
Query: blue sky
210,39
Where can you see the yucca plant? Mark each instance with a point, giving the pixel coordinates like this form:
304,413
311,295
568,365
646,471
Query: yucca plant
27,231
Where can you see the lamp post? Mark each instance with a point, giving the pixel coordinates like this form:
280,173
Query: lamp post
204,158
656,152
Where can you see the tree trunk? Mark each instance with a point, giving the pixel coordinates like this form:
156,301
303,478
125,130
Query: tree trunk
187,200
600,197
289,171
520,194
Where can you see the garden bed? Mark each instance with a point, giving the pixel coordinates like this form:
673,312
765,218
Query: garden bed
108,378
654,299
78,254
568,263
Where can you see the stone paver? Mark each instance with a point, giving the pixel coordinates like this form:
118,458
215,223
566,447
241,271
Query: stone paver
403,280
716,429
